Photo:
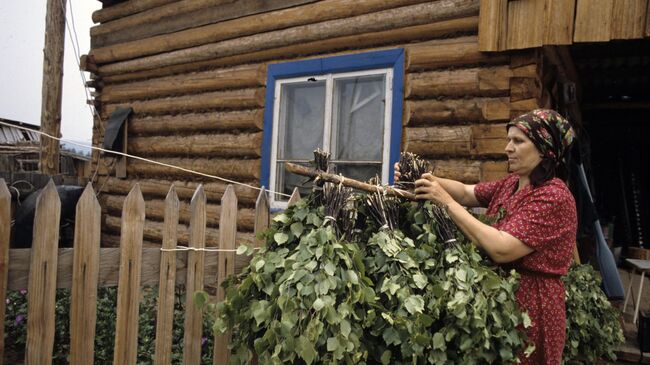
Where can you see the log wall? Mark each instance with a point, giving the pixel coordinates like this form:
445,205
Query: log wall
198,88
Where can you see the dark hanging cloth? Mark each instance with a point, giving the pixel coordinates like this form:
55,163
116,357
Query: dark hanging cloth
588,222
113,138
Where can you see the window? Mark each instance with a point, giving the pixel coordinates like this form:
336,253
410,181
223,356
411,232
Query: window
350,106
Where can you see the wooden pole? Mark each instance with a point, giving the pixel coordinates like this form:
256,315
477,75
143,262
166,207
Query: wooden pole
339,179
52,84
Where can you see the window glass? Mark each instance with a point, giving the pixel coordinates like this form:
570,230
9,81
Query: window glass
358,123
302,113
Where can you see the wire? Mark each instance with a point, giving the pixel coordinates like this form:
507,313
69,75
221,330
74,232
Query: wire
145,159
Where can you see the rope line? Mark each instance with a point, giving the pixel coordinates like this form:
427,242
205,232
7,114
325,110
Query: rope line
198,249
145,160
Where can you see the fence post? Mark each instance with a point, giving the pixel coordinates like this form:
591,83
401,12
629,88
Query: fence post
85,275
167,285
226,266
41,287
128,290
5,229
195,269
262,216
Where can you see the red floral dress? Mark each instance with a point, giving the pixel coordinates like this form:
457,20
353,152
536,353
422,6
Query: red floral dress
544,218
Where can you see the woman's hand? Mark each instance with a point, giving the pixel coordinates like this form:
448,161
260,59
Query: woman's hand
396,174
428,188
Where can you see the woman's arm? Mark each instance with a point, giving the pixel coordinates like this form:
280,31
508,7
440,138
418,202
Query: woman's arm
500,246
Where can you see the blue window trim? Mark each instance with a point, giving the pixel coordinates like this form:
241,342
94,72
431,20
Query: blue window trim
393,58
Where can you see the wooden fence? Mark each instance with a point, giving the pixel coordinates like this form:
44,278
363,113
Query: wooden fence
44,268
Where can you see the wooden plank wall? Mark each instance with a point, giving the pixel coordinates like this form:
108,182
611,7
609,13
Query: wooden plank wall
198,92
509,24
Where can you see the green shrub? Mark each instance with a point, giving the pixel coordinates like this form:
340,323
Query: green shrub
16,327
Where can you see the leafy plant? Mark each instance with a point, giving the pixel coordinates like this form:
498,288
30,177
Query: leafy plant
593,324
16,327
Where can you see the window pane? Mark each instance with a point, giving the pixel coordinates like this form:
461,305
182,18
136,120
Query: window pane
302,111
361,172
358,126
287,181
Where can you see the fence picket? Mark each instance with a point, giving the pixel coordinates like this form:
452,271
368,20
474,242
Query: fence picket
295,196
195,264
226,265
5,228
41,288
165,316
85,275
262,216
128,291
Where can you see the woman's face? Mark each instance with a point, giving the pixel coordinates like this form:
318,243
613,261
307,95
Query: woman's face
523,155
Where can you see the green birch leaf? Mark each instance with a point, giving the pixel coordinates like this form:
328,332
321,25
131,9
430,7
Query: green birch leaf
281,238
297,229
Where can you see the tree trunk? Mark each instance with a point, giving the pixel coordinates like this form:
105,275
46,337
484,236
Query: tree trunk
52,85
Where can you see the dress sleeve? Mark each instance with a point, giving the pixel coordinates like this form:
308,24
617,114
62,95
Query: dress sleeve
484,191
546,219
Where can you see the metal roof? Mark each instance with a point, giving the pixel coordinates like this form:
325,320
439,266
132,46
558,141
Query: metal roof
13,136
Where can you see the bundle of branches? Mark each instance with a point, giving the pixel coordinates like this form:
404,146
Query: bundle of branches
411,168
593,329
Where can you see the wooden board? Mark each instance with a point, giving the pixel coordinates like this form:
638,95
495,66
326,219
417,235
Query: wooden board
629,19
5,230
593,20
559,21
85,274
41,289
492,28
525,24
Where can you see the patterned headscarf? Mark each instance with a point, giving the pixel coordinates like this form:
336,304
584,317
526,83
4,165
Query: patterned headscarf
551,134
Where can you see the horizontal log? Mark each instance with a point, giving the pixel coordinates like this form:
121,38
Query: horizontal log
125,9
214,13
184,189
154,14
470,171
443,28
222,145
153,231
524,88
378,21
484,140
235,99
232,78
522,106
109,267
197,122
491,81
237,28
155,210
460,52
493,170
236,169
427,112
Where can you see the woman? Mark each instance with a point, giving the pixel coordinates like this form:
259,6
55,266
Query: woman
536,228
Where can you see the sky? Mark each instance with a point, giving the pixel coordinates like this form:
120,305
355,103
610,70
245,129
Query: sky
22,37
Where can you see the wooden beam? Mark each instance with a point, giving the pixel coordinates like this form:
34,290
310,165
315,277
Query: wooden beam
52,88
322,11
219,145
377,21
462,51
487,81
237,169
184,15
525,24
429,112
407,34
244,120
125,9
221,79
629,19
109,262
